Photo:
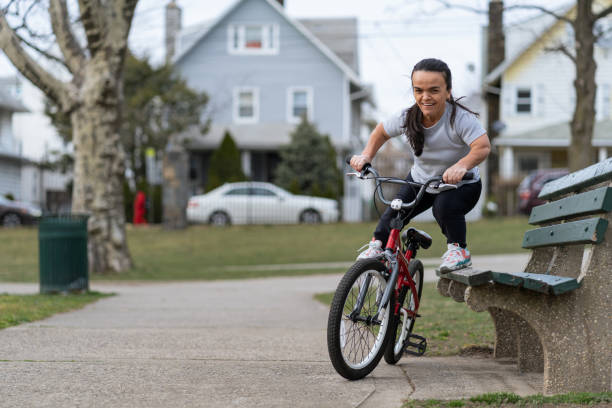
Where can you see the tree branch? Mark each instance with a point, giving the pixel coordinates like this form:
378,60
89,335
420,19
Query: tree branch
39,50
52,87
602,13
448,4
563,50
60,21
95,22
543,10
123,13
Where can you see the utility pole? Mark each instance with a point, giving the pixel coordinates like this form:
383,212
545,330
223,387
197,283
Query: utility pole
495,56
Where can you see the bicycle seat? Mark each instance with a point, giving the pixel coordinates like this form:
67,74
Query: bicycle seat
420,237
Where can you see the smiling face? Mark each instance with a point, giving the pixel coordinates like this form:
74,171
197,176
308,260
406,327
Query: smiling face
431,93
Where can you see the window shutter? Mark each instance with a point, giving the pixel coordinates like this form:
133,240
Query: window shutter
508,100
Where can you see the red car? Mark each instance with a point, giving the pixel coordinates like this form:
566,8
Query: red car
530,187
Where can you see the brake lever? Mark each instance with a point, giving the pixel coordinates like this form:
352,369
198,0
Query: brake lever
444,187
358,175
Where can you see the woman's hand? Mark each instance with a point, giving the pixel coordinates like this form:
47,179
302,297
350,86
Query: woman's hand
358,161
454,174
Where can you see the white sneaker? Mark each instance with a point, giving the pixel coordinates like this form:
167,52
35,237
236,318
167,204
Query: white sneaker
374,250
455,258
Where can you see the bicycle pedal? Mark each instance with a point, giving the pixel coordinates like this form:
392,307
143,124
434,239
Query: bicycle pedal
418,345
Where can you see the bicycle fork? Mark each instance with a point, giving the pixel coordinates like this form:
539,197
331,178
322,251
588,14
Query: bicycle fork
363,290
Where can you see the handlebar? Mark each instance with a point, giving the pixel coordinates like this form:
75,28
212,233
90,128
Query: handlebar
397,204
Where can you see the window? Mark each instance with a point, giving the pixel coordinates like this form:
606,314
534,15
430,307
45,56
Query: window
238,192
528,163
256,39
523,100
300,104
262,192
246,105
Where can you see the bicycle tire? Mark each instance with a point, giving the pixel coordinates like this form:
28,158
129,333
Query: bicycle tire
394,350
342,331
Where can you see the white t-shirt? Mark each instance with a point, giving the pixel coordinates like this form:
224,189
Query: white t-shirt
444,144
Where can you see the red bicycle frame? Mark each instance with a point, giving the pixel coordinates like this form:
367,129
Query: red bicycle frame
404,278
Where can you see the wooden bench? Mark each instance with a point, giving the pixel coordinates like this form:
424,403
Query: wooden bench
556,316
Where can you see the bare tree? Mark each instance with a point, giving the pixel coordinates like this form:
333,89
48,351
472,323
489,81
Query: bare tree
583,18
89,91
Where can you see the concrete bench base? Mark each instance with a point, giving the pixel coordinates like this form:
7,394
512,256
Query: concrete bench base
568,336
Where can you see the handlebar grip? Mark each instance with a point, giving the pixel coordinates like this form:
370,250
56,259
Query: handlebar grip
365,167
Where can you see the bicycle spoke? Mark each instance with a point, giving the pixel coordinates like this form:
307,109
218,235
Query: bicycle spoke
359,336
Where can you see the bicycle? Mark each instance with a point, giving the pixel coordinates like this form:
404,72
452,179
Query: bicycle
375,305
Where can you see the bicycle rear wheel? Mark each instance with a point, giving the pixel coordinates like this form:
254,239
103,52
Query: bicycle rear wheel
402,324
356,339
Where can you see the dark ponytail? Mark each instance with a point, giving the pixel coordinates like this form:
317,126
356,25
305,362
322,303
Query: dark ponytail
413,122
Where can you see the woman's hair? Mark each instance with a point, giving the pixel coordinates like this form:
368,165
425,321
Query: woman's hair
413,124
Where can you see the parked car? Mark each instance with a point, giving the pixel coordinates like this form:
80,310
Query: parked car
14,213
259,203
532,184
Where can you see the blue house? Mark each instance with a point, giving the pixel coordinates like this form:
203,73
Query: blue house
263,71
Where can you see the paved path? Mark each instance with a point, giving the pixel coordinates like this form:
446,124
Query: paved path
251,343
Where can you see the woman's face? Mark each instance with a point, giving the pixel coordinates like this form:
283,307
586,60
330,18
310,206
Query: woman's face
430,92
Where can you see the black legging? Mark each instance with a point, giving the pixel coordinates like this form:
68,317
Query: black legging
449,209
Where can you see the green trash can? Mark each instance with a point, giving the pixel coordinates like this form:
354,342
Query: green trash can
62,243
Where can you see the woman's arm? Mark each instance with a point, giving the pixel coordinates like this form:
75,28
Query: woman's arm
479,150
378,137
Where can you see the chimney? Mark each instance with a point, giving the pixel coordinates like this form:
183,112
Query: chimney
173,27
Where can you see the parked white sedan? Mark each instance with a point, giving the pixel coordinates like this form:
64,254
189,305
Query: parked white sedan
259,203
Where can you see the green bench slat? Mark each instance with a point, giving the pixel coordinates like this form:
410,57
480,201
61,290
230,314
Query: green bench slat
469,276
590,202
589,231
577,180
548,284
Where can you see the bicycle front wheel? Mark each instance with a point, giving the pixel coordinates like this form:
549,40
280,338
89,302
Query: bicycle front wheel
402,324
356,335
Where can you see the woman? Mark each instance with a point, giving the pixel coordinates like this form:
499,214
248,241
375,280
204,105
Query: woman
446,139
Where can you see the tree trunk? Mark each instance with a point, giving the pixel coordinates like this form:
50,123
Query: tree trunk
99,169
580,152
496,51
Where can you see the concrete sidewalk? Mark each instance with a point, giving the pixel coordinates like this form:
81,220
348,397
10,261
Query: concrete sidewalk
251,343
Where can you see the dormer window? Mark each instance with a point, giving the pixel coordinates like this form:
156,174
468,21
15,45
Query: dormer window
253,39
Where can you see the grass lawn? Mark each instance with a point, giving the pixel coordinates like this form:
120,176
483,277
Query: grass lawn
450,328
199,252
504,399
17,309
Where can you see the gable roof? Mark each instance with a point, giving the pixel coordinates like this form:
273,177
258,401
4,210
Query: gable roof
207,28
516,47
339,34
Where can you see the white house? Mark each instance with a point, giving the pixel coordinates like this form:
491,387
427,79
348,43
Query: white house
10,147
26,139
538,96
